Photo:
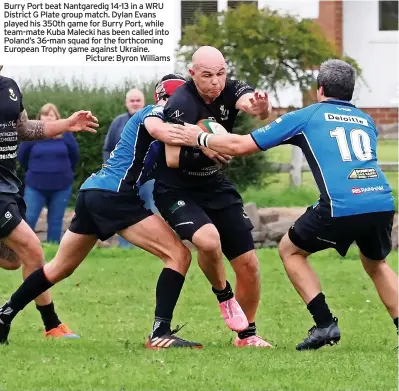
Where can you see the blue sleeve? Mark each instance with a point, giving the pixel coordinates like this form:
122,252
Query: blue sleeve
24,153
111,138
73,149
281,130
156,111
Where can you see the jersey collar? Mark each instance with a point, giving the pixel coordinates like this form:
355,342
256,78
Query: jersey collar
338,102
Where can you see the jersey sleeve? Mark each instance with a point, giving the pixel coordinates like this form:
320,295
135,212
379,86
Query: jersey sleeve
240,88
180,108
281,130
157,112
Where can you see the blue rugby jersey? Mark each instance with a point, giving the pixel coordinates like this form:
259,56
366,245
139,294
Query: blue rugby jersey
131,162
339,142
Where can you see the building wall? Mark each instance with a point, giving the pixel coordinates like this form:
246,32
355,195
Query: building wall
330,20
375,51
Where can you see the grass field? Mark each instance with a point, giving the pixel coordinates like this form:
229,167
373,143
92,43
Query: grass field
109,301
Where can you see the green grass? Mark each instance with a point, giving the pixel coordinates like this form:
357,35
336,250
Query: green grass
110,302
387,150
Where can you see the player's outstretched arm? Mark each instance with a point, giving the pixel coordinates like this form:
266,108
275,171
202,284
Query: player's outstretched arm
229,144
256,104
158,129
81,121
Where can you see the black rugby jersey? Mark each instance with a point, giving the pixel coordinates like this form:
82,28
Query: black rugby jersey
10,109
186,105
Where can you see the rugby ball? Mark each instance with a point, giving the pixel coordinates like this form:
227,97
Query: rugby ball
211,126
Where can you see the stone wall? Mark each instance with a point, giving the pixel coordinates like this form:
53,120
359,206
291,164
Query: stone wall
270,225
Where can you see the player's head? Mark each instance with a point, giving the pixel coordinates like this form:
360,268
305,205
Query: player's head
134,101
336,79
208,71
167,86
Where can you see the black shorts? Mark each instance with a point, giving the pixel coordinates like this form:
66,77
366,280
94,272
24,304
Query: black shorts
314,232
186,212
12,212
103,213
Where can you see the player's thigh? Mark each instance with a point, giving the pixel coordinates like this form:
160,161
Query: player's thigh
184,215
234,227
71,252
17,235
313,232
375,238
155,236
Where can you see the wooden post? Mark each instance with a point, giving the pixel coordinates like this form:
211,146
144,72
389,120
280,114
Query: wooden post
296,167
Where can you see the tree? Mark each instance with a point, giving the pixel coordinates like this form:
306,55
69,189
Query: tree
262,47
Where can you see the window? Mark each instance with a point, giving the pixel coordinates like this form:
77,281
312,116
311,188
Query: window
388,15
188,9
237,3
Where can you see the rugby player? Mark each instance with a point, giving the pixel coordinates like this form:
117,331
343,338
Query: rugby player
19,243
356,202
108,203
197,200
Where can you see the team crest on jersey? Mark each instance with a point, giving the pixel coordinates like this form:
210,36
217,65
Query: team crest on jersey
12,95
224,113
177,206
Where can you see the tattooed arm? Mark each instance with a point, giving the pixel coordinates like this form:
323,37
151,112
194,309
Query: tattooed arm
29,130
8,258
36,130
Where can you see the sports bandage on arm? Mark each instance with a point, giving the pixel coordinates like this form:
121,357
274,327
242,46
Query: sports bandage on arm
202,139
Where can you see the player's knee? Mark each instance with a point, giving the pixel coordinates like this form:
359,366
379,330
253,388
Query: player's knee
284,247
181,260
207,239
246,266
373,268
32,253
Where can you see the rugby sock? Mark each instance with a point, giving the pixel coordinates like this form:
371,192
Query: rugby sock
169,286
249,332
33,286
320,311
49,316
225,294
396,323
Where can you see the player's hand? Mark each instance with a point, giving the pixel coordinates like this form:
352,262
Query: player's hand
259,104
82,121
184,135
216,157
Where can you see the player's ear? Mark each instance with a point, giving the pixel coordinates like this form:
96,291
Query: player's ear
191,71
